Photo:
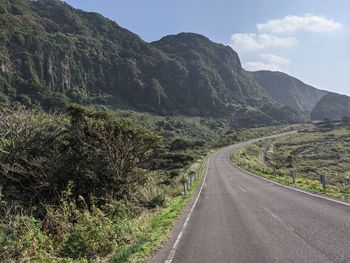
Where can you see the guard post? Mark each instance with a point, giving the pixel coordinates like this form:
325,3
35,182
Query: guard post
323,181
293,174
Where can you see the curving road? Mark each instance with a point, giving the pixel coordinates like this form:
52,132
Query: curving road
242,218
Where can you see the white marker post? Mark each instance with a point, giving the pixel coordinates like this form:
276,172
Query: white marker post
293,174
323,181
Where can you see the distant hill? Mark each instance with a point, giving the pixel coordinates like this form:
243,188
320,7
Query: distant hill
289,91
332,105
52,54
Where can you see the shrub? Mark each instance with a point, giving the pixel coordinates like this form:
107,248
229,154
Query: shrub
21,238
54,101
107,155
92,235
180,144
24,99
41,153
80,232
30,159
4,100
151,197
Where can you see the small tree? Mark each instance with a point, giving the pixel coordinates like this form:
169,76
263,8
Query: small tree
40,154
108,156
30,153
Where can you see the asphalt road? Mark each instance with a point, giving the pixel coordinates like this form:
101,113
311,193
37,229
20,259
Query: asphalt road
242,218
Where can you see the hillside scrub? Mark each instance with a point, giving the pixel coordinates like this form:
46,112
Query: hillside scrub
84,185
311,152
70,183
41,154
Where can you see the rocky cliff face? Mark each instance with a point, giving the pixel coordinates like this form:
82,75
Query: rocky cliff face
52,54
289,91
214,70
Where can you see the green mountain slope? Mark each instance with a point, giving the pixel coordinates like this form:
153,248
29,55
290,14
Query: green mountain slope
214,70
289,91
48,47
332,105
52,54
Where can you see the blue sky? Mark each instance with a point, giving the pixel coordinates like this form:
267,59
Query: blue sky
309,39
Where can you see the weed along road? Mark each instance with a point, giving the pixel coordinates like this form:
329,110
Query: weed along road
241,218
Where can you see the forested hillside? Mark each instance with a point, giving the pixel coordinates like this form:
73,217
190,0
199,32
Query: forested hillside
53,54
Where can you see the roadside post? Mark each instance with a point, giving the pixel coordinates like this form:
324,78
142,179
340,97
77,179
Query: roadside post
323,181
293,174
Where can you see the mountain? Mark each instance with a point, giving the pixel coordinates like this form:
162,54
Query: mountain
52,54
289,91
332,105
215,74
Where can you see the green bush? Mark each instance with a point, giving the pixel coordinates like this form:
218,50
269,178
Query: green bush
100,155
54,101
151,197
4,100
92,235
21,237
24,99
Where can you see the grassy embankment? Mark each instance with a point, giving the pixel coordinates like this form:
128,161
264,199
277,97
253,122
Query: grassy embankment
153,229
312,152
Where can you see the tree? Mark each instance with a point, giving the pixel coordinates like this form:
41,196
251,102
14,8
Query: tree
30,153
40,154
108,156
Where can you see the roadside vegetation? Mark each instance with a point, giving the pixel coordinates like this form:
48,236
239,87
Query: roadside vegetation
91,185
316,150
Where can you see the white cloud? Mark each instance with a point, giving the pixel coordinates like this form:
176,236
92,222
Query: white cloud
270,62
275,59
307,22
248,42
267,39
258,65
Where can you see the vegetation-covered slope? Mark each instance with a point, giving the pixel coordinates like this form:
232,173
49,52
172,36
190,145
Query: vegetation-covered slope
312,152
332,105
52,54
316,151
289,91
214,71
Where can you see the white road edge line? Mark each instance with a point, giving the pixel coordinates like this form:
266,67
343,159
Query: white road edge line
242,189
178,239
279,219
288,187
